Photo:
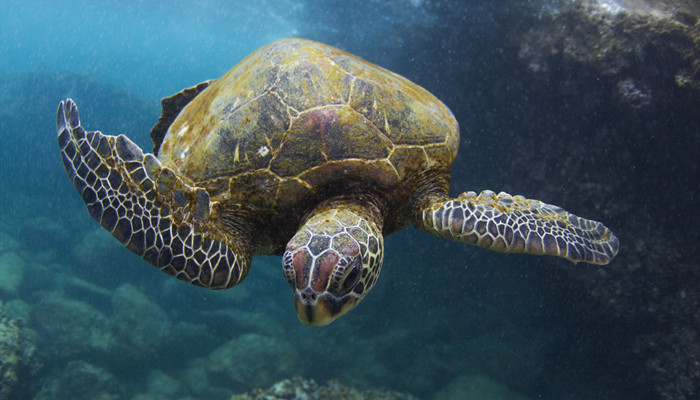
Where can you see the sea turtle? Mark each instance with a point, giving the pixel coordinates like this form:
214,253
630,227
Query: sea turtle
308,152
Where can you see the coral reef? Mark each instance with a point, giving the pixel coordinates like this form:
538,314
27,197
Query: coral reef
302,389
18,364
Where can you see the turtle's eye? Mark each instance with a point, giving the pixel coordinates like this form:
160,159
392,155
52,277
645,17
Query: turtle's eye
351,278
345,276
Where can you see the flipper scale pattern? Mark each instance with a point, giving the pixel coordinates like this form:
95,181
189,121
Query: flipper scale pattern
146,206
515,224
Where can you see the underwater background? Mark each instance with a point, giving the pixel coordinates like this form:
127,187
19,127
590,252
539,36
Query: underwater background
590,105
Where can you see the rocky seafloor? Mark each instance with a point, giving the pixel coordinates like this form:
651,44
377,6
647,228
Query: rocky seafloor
593,108
65,337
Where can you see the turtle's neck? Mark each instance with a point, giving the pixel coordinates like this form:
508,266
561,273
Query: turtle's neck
368,205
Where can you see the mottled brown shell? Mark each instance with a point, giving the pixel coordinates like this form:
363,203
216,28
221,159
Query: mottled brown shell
297,117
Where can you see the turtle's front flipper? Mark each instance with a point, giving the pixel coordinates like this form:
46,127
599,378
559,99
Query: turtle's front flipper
147,207
514,224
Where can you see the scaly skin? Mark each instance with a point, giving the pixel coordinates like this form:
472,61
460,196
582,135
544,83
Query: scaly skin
514,224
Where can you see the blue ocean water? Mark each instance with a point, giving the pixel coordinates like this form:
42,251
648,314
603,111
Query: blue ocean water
445,320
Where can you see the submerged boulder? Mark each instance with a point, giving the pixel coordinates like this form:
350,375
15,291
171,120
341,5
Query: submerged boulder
140,324
161,386
7,242
252,360
97,248
11,272
69,328
82,381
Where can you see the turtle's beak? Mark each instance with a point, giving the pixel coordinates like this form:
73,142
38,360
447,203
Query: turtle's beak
321,310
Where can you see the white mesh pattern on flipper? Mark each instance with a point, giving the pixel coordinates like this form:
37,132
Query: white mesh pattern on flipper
515,224
117,182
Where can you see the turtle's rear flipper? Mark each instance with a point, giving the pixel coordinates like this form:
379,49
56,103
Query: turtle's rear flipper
514,224
146,206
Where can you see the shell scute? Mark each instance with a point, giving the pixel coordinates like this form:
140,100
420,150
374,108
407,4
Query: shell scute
330,133
378,172
266,183
311,82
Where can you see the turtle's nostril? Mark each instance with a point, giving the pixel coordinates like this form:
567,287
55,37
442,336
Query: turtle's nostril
308,295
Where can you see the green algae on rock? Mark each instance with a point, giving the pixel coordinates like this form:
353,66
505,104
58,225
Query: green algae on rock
303,389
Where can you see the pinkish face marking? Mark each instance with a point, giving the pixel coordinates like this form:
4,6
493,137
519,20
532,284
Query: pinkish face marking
325,264
300,261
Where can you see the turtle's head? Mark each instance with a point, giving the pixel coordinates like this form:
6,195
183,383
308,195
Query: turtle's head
331,264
